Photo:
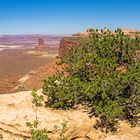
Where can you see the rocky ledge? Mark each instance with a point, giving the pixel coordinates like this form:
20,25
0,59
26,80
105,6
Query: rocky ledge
17,109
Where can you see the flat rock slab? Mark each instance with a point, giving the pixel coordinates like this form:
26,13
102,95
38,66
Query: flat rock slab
16,109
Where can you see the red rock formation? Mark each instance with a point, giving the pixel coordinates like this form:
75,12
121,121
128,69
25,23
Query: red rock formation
78,39
68,42
41,46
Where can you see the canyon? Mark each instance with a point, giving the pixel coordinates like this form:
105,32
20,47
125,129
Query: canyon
18,57
23,53
25,68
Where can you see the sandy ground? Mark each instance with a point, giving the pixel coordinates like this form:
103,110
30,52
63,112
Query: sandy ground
14,64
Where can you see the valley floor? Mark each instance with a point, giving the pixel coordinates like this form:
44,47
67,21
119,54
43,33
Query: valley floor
14,64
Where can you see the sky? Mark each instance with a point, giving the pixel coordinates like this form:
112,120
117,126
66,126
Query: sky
66,16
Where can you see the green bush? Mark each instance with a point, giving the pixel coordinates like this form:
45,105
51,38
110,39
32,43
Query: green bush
37,134
104,75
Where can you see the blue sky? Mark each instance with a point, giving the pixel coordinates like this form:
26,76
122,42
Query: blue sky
66,16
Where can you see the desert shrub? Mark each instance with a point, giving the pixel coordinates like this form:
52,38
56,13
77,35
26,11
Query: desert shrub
37,99
62,92
1,136
36,132
103,75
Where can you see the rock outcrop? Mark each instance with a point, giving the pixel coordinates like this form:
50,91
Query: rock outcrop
82,34
131,32
17,109
76,40
69,42
41,45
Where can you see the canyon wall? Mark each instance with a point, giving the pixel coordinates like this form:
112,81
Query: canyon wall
78,39
68,42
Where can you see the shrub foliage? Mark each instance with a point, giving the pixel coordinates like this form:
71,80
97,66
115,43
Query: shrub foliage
103,75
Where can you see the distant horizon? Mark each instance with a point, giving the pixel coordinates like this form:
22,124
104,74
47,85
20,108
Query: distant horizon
66,17
41,34
35,34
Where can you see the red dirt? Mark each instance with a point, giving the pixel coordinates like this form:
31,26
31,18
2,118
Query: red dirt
36,80
14,64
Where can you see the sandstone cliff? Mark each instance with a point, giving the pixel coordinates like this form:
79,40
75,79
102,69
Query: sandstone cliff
76,40
68,42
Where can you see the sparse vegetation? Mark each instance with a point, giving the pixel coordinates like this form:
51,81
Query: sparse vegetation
1,136
36,133
62,131
103,75
37,99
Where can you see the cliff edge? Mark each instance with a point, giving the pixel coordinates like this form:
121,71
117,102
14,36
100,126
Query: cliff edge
16,109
